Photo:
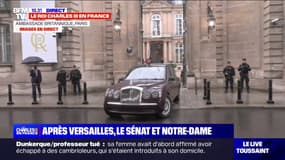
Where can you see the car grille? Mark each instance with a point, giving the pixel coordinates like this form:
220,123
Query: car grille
130,95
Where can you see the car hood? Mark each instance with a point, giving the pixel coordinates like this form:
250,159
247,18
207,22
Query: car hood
139,83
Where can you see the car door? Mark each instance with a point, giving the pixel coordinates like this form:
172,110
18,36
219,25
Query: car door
176,83
172,81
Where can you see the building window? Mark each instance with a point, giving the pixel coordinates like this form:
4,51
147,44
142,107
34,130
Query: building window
178,2
179,51
5,52
156,25
3,5
179,24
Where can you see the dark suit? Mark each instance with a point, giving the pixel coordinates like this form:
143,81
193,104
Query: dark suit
75,77
36,79
61,78
244,68
229,72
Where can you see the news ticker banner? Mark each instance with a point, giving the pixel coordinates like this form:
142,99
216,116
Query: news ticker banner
123,141
123,131
148,141
40,21
43,16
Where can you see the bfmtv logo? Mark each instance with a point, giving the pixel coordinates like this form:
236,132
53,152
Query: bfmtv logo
27,131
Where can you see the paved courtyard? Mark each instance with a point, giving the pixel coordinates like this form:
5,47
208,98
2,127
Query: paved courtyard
188,99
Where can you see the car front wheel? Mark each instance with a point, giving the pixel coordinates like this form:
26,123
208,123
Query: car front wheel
177,99
166,108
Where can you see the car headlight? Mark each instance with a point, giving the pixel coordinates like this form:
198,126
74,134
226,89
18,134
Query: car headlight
109,93
146,95
116,94
155,94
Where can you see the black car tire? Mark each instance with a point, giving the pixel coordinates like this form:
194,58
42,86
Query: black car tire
177,99
167,108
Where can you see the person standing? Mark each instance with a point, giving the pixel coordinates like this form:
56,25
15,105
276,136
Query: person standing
229,73
244,69
36,79
61,78
75,77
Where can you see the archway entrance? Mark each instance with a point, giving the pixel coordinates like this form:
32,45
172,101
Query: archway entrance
156,52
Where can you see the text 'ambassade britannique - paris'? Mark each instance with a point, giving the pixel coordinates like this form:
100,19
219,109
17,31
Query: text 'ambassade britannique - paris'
56,23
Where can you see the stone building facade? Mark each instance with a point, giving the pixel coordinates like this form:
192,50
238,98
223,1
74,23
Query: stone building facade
98,51
163,31
243,29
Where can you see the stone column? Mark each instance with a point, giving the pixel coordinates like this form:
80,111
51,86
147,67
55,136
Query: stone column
164,52
170,52
129,37
207,39
194,36
72,41
144,53
219,10
147,49
273,39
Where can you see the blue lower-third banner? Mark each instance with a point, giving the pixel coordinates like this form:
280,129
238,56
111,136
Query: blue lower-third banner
138,141
121,141
80,131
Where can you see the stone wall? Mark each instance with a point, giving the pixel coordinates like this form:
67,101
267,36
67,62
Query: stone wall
98,51
244,34
243,29
273,39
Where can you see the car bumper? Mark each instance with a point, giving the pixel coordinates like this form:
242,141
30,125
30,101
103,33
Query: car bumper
132,108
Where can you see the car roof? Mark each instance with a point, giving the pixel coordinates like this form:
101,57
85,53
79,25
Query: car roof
153,65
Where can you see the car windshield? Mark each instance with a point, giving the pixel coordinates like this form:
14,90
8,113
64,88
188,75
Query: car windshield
147,73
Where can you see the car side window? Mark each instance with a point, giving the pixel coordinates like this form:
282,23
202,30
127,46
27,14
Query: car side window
170,73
